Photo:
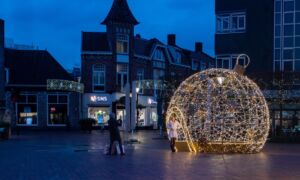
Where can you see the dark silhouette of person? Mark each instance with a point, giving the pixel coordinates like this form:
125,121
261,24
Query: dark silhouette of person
113,127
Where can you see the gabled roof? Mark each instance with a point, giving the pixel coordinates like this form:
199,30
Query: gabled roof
95,41
120,13
144,47
33,67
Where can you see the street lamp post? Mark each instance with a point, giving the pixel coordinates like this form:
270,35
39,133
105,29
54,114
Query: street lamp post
137,103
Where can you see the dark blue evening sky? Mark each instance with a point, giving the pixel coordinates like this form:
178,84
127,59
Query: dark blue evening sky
56,25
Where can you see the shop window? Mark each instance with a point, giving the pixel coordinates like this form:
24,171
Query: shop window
101,114
121,115
27,114
142,117
57,110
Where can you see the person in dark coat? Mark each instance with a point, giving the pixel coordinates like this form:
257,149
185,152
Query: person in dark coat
113,127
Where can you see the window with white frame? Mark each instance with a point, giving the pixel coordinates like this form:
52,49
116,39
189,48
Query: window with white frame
231,23
122,44
99,78
122,75
229,61
26,109
286,36
57,109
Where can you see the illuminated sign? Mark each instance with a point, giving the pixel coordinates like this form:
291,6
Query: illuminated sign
98,99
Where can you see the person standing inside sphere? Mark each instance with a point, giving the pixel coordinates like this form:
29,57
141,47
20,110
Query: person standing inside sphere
173,127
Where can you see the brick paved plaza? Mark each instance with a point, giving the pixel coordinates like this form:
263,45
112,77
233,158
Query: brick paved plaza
75,155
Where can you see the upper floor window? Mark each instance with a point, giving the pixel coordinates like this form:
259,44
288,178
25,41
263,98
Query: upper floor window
195,65
203,66
159,55
122,44
228,61
99,78
122,75
140,78
177,57
231,23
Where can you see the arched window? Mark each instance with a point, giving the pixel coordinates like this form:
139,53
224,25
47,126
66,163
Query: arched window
99,78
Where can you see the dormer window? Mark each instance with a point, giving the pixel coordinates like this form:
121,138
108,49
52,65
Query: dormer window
122,44
178,57
159,55
195,65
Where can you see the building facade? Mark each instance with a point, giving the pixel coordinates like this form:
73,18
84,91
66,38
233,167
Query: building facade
266,30
32,105
24,72
112,59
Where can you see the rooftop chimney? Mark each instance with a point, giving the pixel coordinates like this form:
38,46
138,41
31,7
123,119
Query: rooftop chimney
172,39
138,36
198,47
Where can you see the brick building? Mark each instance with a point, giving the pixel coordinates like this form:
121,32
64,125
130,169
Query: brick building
111,59
23,89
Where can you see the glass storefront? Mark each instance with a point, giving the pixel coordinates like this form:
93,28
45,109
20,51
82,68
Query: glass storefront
142,117
27,110
57,109
101,114
290,119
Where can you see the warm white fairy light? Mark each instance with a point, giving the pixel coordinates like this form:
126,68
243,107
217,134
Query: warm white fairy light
220,111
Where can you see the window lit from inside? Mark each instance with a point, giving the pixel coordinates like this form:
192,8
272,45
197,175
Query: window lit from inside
57,110
27,110
122,44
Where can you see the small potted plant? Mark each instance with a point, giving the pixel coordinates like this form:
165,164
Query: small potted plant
86,124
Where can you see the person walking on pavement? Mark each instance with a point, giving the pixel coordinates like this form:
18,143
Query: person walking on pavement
113,127
173,126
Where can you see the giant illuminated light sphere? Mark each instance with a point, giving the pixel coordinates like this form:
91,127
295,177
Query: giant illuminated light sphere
220,111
